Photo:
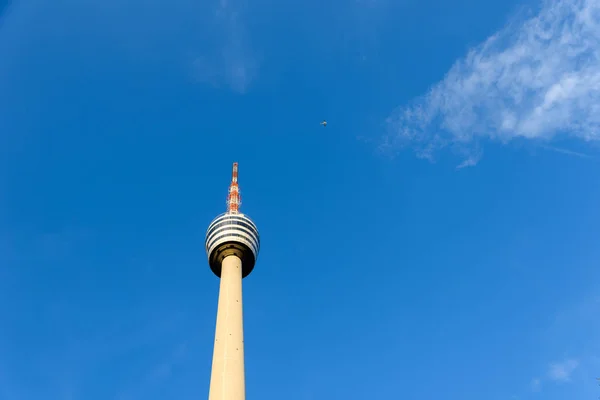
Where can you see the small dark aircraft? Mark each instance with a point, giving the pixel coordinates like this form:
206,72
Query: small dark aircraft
324,123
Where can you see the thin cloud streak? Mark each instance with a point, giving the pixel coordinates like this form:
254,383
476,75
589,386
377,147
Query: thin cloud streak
535,79
565,151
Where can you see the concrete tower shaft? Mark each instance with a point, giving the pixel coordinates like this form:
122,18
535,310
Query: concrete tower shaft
227,378
232,244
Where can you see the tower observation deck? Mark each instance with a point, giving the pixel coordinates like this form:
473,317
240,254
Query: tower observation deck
232,244
232,233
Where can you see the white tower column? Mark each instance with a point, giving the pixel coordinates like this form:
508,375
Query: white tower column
232,244
227,380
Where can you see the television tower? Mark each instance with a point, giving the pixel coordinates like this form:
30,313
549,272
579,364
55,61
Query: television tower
232,245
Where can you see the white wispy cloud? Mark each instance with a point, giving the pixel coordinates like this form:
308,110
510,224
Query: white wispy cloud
537,78
154,375
234,63
4,8
574,331
536,384
210,38
562,371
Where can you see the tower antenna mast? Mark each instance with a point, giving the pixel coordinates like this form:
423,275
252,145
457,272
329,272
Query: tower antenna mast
234,198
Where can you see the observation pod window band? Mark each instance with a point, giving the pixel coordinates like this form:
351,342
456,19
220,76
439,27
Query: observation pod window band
232,234
233,237
224,228
233,217
244,226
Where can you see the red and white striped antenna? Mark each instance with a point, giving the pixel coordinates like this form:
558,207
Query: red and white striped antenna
234,199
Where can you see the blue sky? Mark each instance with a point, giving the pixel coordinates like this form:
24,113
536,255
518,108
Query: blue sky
439,238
